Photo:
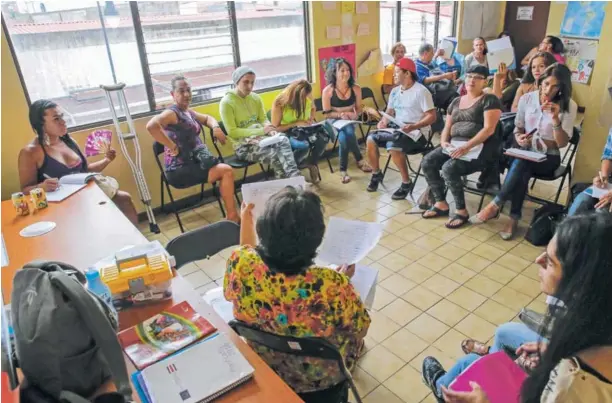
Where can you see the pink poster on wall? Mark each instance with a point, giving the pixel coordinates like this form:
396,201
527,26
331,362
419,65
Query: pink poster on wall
328,55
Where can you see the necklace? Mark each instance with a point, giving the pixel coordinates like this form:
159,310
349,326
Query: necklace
402,89
344,94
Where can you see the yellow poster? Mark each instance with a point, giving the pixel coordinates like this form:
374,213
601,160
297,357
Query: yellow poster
348,7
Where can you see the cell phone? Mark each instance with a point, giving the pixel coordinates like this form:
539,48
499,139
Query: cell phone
531,133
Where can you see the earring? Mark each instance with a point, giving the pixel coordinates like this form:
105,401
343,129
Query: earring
46,139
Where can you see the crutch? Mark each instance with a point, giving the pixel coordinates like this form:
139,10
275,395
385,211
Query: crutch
136,164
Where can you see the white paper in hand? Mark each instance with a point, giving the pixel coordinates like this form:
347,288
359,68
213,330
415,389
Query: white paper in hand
348,241
258,193
597,193
473,154
364,281
500,51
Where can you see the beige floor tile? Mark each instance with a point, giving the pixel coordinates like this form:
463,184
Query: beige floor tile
343,204
405,344
380,395
483,285
366,261
407,384
409,234
392,242
395,261
188,269
380,363
372,216
450,251
479,234
381,327
514,263
444,234
428,243
421,297
527,251
198,279
430,398
511,298
488,252
383,272
476,328
427,327
364,382
450,343
357,211
412,252
466,298
398,284
440,285
525,285
407,219
499,243
495,312
448,312
391,210
532,271
378,252
382,298
465,242
434,261
401,312
445,359
499,273
457,273
392,226
473,262
417,273
427,226
214,267
538,306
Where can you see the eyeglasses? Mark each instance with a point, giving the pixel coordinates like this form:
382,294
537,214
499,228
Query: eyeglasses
473,77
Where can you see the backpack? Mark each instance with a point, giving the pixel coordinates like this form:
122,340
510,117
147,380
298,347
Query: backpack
65,336
544,224
443,93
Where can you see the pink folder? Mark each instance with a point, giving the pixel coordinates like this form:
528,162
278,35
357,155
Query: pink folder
496,373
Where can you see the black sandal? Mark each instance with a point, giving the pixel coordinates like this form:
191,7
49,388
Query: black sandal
463,219
439,213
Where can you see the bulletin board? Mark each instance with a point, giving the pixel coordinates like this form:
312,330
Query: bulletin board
328,55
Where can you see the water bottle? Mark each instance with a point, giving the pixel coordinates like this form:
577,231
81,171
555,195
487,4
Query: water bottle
97,286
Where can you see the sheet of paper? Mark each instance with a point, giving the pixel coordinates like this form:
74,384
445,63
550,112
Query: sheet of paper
363,29
448,45
473,154
392,119
500,51
329,5
525,154
222,307
271,140
5,258
599,192
340,123
63,192
258,193
348,241
361,7
364,281
333,32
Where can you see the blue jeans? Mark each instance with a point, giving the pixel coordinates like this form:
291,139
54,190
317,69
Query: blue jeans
510,336
302,147
348,142
583,203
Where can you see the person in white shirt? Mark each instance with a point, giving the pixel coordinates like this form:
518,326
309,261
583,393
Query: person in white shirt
411,104
544,123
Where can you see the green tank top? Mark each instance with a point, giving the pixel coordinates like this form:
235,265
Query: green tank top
290,115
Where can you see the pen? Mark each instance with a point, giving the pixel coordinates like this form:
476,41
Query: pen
48,177
601,178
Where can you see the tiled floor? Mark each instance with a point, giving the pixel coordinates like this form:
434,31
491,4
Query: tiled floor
435,288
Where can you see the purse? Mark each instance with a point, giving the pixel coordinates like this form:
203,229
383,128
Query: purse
107,184
544,224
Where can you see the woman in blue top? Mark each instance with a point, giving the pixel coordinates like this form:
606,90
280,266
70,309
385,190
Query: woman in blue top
188,161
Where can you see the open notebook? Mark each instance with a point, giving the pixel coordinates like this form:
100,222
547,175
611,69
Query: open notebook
200,373
68,185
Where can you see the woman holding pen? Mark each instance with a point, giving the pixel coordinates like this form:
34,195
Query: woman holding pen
342,100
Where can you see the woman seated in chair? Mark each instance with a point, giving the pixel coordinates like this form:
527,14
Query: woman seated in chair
275,286
342,100
575,363
244,117
292,113
472,119
53,154
538,63
188,160
504,86
544,123
550,44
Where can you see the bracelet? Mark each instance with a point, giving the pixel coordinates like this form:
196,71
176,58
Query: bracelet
557,127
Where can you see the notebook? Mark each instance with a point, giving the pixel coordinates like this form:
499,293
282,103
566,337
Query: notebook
200,373
164,334
340,123
496,373
473,154
525,154
271,140
597,193
68,185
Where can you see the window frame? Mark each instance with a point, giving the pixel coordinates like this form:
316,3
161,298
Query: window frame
398,27
144,64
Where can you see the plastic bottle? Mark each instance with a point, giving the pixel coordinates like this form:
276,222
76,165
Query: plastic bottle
97,286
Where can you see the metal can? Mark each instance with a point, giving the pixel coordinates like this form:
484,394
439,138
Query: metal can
39,198
20,203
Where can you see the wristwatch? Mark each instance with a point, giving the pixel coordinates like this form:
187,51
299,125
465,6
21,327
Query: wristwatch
216,127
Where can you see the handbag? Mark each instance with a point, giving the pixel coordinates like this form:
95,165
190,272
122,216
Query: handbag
107,184
544,224
369,115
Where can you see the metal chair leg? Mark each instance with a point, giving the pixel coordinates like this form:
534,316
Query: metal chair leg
218,197
174,208
386,166
161,187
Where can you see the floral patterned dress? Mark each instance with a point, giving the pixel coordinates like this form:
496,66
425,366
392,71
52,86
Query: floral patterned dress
320,302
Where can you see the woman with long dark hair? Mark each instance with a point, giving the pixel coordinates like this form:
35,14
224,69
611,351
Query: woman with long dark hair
575,365
550,44
53,154
538,63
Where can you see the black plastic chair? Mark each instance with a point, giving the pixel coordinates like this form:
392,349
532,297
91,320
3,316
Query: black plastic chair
203,242
367,93
299,346
385,96
318,103
158,149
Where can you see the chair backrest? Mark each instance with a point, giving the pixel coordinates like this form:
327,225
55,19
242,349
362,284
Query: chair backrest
384,95
215,142
574,141
269,115
318,103
158,148
366,92
203,242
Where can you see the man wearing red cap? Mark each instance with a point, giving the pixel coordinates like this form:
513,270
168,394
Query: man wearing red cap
411,104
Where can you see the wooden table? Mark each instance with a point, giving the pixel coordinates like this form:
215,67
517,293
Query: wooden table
89,228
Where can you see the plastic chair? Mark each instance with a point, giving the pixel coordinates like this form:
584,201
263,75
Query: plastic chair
367,93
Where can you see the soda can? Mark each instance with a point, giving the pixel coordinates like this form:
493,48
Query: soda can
20,203
39,198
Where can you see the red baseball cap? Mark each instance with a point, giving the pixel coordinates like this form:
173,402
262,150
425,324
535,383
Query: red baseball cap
406,63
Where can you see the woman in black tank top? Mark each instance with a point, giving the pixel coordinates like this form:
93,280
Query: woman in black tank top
342,100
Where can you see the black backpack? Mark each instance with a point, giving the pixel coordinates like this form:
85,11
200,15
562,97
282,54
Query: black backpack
443,93
544,224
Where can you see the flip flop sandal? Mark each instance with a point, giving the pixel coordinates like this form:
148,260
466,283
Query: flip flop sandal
364,166
463,219
439,213
477,347
345,177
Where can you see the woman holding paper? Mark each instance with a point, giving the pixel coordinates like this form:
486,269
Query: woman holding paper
470,123
342,100
53,154
274,284
544,123
188,160
575,364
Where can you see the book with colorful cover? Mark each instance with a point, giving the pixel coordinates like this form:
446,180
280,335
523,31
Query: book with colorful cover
164,334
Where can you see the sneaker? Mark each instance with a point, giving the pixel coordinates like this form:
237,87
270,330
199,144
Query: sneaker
375,181
403,191
431,371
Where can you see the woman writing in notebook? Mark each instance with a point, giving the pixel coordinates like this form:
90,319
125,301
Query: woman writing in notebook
575,364
342,100
53,154
274,285
544,123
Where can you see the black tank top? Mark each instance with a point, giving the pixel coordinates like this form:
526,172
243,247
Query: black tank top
336,102
55,169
